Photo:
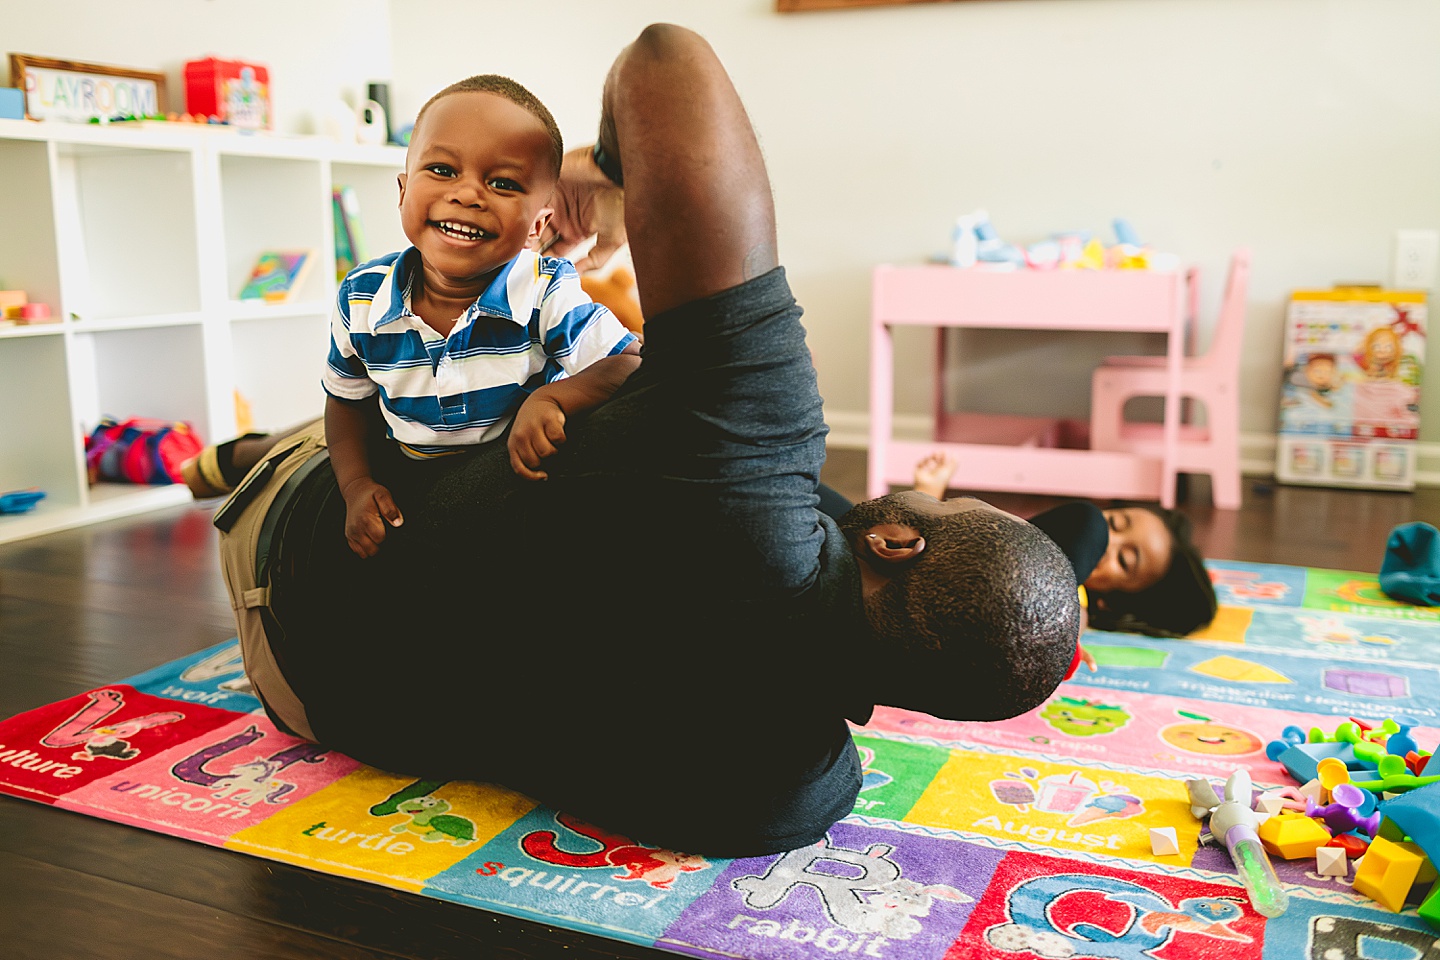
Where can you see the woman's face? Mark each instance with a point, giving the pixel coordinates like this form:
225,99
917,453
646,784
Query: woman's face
1138,553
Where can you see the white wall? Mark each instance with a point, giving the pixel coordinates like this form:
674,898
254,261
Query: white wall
1306,129
317,51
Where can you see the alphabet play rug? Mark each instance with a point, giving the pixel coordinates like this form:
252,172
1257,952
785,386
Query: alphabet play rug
1025,839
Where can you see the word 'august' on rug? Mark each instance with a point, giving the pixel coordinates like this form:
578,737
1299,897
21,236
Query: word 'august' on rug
1028,838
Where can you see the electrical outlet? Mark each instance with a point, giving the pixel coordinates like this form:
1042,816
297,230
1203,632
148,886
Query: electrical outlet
1416,253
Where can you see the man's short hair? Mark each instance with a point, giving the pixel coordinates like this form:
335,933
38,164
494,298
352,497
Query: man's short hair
984,624
516,94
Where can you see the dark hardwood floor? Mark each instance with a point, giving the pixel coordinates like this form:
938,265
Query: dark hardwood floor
84,607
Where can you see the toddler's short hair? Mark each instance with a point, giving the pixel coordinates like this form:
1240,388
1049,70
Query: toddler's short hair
516,94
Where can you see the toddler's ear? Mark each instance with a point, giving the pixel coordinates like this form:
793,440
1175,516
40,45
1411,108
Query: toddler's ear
538,227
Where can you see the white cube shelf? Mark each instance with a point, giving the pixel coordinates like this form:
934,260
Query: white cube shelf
139,239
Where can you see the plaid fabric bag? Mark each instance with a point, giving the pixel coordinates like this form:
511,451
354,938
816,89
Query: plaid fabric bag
140,450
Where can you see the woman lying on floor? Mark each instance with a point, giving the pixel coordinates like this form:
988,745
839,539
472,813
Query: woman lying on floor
1140,570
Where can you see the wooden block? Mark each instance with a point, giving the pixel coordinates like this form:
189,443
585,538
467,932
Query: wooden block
1331,862
1163,842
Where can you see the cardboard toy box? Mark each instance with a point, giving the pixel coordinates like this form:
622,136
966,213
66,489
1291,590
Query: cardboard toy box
235,92
1350,396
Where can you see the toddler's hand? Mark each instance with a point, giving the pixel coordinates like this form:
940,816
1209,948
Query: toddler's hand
369,511
538,432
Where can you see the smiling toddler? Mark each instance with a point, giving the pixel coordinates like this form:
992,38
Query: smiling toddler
469,332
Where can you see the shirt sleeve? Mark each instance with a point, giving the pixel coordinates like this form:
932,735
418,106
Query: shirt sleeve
575,331
345,375
1080,530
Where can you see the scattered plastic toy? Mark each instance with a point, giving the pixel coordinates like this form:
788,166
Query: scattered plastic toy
20,501
974,243
1342,813
1366,787
1235,823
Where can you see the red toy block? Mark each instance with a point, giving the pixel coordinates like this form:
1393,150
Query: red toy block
236,92
1353,846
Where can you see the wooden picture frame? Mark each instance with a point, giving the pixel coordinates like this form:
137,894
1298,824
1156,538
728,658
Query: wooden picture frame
797,6
78,92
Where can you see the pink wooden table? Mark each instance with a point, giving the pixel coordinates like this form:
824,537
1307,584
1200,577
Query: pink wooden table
1022,454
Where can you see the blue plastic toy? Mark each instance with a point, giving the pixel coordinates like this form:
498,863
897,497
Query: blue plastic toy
20,501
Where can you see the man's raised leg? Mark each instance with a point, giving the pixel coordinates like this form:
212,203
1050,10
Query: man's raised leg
698,207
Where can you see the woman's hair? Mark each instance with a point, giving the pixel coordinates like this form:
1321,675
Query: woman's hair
1181,601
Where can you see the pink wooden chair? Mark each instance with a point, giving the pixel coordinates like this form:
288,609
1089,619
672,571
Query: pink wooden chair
1213,378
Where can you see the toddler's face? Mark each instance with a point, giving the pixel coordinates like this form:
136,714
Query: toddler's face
479,171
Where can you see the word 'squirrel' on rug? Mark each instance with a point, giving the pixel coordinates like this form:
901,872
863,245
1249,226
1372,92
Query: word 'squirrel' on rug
1024,839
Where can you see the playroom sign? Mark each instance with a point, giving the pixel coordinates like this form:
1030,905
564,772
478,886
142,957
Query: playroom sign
78,92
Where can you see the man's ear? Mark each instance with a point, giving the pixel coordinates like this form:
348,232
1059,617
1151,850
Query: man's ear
891,543
885,551
538,227
400,179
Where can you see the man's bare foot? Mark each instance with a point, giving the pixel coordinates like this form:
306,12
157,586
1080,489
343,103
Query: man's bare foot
933,473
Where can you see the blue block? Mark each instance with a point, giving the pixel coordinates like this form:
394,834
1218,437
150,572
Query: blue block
1303,759
1417,812
12,103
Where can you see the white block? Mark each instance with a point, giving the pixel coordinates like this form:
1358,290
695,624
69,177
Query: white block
1269,805
1331,862
1163,842
1261,816
1313,790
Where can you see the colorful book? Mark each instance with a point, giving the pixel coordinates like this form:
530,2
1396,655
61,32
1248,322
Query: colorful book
350,245
277,275
344,253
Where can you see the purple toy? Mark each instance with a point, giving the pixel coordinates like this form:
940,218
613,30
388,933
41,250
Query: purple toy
1342,815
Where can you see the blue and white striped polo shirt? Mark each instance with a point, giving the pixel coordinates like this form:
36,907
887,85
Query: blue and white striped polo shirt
532,325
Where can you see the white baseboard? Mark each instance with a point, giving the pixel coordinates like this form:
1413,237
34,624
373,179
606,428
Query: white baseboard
850,430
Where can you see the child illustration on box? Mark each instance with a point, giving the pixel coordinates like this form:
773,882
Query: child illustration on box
1382,394
1316,390
442,345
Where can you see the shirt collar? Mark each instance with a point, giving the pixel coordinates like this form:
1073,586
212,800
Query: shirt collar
494,300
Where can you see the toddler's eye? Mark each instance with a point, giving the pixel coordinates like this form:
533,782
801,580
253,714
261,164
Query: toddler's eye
504,183
441,169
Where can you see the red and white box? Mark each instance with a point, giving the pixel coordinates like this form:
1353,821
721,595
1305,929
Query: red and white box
233,91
